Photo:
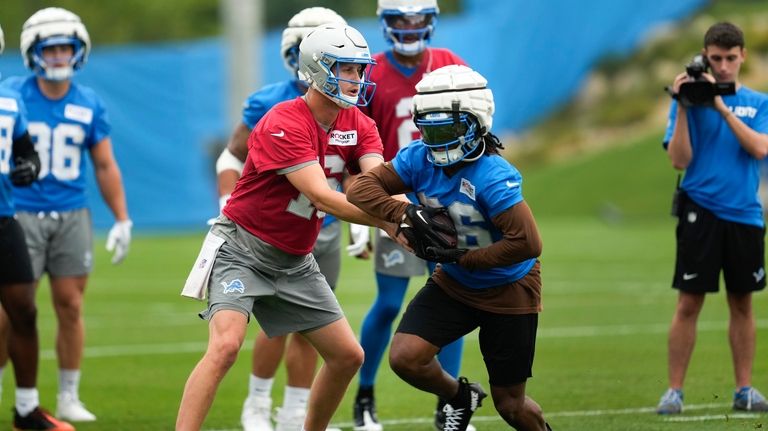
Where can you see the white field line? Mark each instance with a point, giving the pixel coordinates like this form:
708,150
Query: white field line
722,417
560,332
403,423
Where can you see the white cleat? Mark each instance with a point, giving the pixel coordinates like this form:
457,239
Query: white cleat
292,420
256,413
289,419
70,408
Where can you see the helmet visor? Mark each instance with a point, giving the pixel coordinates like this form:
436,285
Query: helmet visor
439,128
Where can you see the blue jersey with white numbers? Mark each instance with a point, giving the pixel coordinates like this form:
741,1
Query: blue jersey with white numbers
13,125
62,130
261,101
722,177
475,194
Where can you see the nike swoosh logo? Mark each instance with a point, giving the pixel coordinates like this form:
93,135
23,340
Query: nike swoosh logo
687,277
418,213
279,134
510,184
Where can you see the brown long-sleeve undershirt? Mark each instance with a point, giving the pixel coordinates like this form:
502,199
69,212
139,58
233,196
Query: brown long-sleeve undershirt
372,192
520,241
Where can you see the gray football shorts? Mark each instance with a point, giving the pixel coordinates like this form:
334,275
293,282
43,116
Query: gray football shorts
285,292
327,252
59,243
394,260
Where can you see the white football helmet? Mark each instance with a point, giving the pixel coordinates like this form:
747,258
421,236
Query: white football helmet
54,26
419,18
323,50
453,110
298,28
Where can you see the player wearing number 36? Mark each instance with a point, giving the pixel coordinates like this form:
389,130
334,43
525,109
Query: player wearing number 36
492,279
66,120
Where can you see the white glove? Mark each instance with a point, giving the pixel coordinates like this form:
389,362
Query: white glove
360,236
222,202
119,239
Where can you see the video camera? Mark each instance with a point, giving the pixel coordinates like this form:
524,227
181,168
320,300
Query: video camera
700,92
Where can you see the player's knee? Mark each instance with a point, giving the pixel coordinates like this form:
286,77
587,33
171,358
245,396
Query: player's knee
224,351
403,361
23,319
69,309
350,359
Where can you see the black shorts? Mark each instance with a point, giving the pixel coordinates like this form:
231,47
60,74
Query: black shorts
16,266
707,244
507,341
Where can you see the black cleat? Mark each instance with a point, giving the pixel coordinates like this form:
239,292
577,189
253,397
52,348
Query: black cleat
365,415
39,419
458,411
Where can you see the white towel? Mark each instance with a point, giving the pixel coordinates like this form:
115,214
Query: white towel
197,282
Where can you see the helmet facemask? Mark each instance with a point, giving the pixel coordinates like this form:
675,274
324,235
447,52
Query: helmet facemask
451,136
328,51
408,33
52,72
362,87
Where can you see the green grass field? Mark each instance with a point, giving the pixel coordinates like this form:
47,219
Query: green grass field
601,356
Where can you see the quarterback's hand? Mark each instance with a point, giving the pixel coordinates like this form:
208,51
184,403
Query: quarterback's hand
119,239
360,241
23,173
222,203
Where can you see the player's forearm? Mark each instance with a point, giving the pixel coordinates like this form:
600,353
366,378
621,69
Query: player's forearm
679,147
373,190
335,203
520,241
111,188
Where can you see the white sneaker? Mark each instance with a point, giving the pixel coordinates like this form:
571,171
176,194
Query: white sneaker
289,419
70,408
255,416
292,420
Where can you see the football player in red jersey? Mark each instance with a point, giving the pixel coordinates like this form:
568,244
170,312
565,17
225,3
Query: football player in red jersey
408,26
256,257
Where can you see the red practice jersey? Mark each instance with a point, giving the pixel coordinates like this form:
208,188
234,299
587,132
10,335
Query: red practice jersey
391,104
288,138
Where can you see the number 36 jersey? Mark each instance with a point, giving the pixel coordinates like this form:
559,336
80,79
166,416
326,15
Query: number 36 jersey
63,130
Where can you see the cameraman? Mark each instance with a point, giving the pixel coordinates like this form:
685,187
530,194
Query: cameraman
720,223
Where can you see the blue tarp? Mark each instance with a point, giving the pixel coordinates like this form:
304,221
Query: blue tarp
168,105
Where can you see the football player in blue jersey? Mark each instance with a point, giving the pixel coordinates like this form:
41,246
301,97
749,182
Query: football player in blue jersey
66,121
720,220
492,281
19,165
300,356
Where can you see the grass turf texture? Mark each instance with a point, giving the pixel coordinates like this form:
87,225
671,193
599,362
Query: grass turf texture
601,352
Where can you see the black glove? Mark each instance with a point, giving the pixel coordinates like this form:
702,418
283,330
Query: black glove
23,173
426,227
445,255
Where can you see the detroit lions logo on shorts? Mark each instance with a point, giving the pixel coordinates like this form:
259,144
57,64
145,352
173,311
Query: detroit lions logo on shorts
233,286
393,258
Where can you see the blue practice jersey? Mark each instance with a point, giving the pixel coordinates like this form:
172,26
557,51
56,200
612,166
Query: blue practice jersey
13,125
261,101
722,177
474,195
63,130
